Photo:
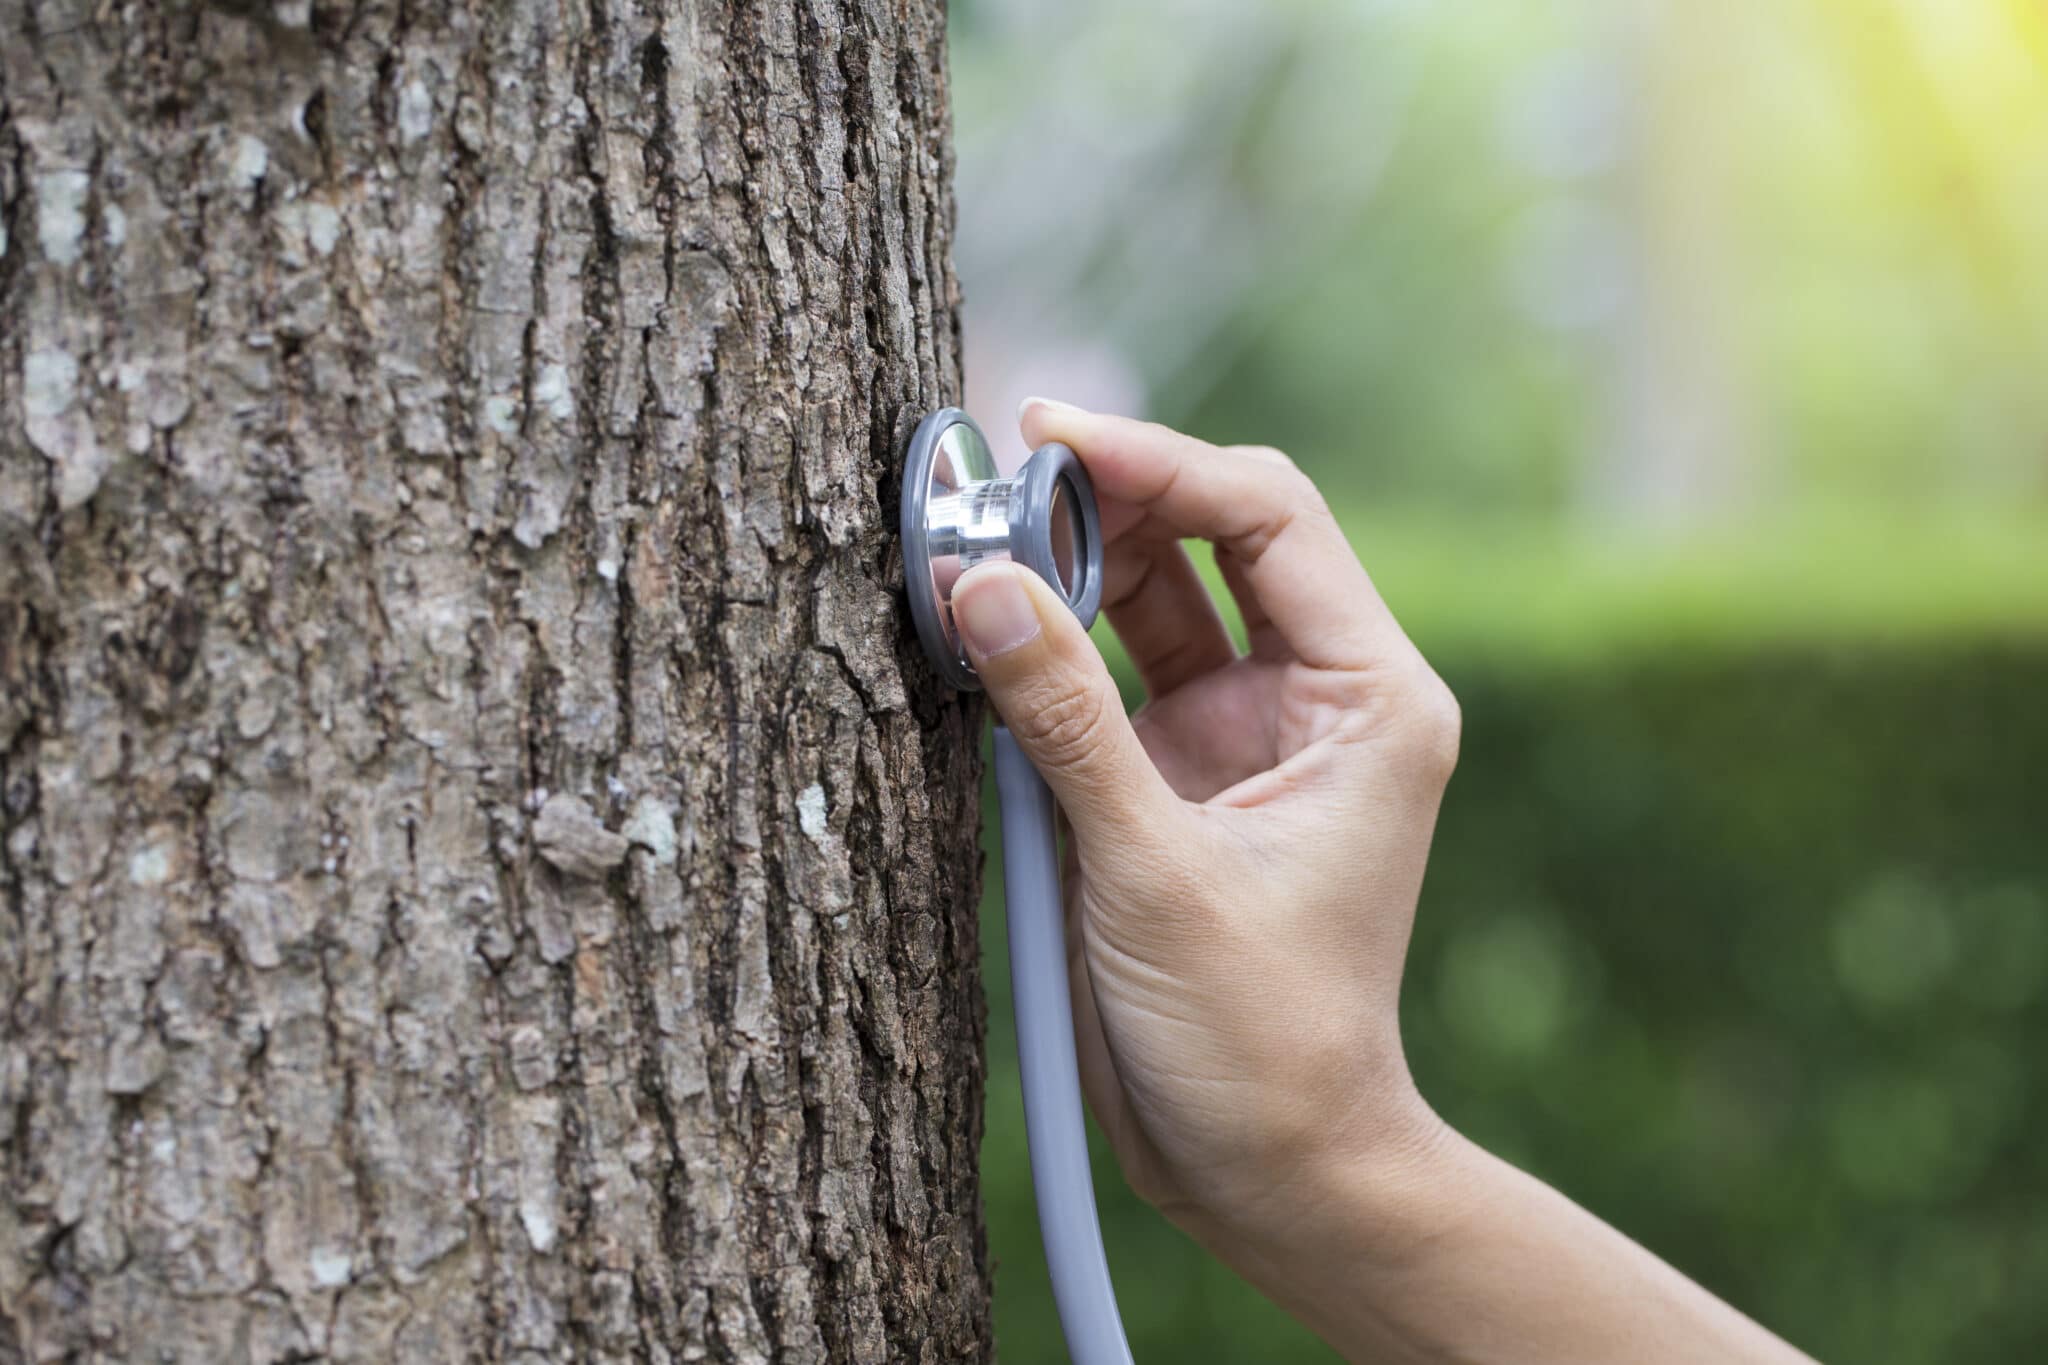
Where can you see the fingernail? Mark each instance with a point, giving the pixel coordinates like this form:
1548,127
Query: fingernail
1050,404
994,612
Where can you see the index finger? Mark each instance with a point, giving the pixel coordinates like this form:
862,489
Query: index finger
1250,501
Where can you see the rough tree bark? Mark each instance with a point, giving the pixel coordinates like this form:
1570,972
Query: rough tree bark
487,874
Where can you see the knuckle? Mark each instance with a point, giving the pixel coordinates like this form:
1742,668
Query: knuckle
1437,725
1308,497
1299,493
1066,726
1288,498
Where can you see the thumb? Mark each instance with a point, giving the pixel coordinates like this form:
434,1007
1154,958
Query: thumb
1051,688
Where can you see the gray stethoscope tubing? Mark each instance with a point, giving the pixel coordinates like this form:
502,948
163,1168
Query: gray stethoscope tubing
957,512
1060,1176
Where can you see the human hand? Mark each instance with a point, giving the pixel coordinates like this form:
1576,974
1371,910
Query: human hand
1243,864
1246,852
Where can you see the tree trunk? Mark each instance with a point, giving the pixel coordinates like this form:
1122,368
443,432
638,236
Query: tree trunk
487,873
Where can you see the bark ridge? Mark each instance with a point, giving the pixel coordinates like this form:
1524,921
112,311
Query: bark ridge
486,874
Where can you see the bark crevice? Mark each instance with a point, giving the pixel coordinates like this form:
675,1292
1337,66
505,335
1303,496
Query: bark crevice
410,417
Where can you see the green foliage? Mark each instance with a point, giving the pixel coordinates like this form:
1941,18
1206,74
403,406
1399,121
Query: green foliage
1678,375
1750,955
1739,937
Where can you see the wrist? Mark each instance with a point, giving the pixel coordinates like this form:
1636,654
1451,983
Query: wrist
1364,1196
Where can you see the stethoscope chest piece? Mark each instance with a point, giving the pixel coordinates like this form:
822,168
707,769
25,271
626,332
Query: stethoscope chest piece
958,511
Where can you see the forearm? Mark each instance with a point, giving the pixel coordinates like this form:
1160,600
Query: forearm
1443,1251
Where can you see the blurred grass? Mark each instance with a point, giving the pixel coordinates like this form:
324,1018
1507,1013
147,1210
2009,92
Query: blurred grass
1736,926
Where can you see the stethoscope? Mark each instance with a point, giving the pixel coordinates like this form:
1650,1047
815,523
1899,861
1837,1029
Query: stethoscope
959,512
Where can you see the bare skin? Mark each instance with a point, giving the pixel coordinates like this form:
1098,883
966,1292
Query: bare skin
1244,862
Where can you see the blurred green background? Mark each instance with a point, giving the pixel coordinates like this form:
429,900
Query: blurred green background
1681,373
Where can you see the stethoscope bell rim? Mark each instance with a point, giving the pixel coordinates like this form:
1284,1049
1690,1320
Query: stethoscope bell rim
1045,518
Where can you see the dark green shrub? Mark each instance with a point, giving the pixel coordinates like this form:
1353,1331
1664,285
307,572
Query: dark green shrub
1746,950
